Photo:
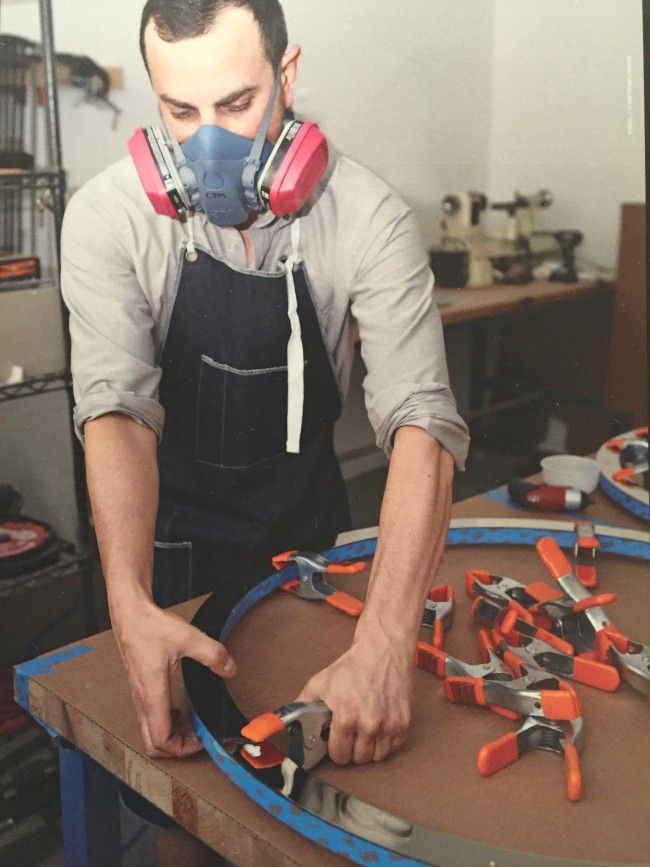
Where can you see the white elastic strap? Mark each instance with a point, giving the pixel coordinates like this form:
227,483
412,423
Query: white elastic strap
295,355
190,250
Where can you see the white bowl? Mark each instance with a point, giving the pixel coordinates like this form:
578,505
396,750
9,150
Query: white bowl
571,471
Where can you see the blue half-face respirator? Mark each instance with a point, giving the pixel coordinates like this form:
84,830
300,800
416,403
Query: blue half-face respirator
228,176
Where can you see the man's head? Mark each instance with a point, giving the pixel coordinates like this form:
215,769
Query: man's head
214,62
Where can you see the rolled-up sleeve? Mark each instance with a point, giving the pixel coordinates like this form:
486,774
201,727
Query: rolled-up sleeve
402,344
111,326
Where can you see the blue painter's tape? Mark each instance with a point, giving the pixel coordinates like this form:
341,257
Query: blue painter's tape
43,665
341,842
630,504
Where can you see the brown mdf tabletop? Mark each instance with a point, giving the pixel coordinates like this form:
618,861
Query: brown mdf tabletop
433,780
467,304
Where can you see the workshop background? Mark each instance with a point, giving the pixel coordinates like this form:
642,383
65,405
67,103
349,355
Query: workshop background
438,97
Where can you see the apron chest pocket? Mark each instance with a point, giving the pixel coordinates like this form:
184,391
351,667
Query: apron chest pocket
241,416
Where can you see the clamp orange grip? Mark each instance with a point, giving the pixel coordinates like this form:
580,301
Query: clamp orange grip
553,558
485,644
641,432
464,690
346,568
472,575
555,641
595,673
288,586
441,593
282,560
345,602
594,602
543,592
262,727
498,754
624,475
438,638
521,612
430,658
560,704
586,575
572,772
268,758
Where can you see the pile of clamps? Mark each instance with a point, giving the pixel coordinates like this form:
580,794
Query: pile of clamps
532,637
304,726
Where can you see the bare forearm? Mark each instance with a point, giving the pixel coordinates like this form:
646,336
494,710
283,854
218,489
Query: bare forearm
122,475
412,530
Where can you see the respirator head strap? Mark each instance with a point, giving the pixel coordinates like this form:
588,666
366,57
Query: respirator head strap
254,159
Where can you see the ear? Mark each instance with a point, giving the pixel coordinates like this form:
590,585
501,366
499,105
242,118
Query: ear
290,65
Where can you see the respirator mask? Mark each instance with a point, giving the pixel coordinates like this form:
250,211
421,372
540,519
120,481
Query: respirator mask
228,176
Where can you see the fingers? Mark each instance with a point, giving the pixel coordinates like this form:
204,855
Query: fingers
209,652
164,731
361,741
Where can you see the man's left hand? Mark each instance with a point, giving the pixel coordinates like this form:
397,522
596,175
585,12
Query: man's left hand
369,691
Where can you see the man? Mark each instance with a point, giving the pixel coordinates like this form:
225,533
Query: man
180,334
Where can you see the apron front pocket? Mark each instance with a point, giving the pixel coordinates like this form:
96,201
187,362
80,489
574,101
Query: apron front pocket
241,417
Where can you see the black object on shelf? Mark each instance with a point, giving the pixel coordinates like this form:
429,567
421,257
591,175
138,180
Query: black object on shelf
25,545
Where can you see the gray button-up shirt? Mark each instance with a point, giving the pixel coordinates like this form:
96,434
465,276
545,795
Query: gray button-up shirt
364,257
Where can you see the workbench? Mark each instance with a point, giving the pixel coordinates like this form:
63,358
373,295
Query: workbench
557,334
553,336
80,694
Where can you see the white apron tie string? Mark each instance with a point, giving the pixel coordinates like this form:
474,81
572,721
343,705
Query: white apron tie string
295,354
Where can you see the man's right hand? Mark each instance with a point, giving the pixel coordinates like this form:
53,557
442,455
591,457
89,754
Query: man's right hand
152,642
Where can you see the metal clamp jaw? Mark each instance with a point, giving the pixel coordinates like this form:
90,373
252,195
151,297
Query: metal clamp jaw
631,659
305,727
499,588
585,554
438,611
312,584
566,739
537,654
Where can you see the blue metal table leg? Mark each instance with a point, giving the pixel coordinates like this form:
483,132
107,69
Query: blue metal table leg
90,810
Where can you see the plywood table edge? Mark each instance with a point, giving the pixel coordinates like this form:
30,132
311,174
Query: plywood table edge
119,759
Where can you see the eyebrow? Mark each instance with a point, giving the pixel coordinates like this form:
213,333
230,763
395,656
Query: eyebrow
222,103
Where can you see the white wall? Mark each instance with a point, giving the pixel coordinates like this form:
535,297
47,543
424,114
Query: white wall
566,115
403,88
384,83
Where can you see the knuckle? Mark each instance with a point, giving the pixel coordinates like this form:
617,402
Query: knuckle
372,727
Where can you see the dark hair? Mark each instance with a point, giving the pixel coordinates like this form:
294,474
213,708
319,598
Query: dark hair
185,19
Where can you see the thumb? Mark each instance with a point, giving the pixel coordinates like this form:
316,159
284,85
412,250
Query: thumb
210,653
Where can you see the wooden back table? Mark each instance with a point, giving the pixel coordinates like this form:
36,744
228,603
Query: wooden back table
81,694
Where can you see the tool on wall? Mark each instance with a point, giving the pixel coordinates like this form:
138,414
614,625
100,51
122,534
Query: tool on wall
462,222
512,252
85,74
568,240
